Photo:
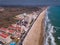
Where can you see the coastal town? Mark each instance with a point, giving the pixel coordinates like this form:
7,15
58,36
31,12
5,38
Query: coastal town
15,22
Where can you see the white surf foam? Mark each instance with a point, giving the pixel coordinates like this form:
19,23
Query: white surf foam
49,31
58,37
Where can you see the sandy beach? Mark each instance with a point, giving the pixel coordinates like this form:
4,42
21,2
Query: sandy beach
35,35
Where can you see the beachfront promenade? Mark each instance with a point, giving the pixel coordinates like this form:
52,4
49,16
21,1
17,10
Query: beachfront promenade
35,35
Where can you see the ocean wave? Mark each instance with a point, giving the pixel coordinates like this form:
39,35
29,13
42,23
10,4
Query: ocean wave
58,37
50,40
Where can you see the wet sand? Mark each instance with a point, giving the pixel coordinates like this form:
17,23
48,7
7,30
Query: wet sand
36,34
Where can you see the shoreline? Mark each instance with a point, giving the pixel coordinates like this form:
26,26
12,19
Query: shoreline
33,37
41,42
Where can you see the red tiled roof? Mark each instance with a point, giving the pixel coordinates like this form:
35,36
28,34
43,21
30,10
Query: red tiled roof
11,31
3,29
17,27
11,26
0,20
4,35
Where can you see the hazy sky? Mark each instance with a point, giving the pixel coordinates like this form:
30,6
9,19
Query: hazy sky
29,2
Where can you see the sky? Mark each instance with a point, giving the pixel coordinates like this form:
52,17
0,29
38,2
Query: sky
30,2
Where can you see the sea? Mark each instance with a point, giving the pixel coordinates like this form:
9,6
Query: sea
52,26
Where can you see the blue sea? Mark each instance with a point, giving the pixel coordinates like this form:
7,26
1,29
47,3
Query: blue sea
52,23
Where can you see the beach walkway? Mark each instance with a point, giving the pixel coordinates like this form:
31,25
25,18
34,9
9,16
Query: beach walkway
35,35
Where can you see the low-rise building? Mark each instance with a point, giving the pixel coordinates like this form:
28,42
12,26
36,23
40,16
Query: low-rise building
5,38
